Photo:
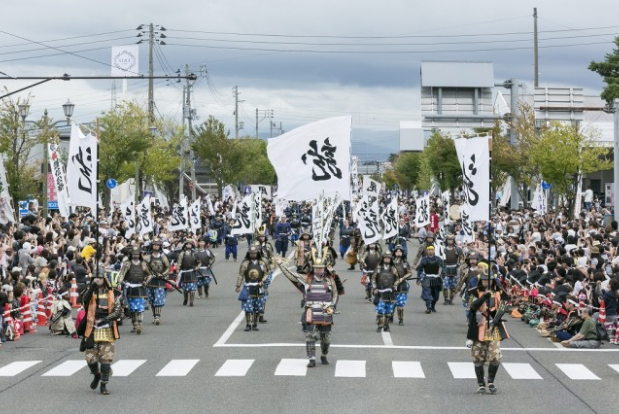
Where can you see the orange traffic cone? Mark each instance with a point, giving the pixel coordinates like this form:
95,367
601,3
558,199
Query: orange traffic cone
73,294
49,302
27,314
602,313
41,316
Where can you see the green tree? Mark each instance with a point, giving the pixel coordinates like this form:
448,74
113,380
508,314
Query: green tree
609,70
424,178
565,152
442,159
407,169
255,167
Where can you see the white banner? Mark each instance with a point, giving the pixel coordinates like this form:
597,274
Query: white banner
368,221
7,214
474,159
265,190
244,213
194,216
256,221
354,178
128,210
81,169
145,219
318,211
467,225
180,216
331,205
371,188
209,205
125,60
280,207
60,181
506,193
313,160
445,198
229,192
391,222
422,213
578,201
159,195
539,200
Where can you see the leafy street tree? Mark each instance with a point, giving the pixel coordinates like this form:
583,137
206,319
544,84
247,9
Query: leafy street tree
566,152
406,169
440,154
255,167
609,70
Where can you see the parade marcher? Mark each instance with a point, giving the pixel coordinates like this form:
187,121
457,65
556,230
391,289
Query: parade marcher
155,289
282,231
135,274
369,261
346,232
303,252
404,270
205,273
470,272
253,272
384,280
99,329
429,270
267,254
453,258
320,296
486,329
188,272
423,248
61,321
295,226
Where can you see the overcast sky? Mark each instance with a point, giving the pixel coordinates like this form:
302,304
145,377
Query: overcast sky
370,70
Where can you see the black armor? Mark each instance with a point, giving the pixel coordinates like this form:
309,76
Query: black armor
160,266
135,276
254,274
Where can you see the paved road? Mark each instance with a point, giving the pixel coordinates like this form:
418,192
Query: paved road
200,360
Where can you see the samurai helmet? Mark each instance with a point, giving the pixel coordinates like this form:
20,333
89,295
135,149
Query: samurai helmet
188,242
136,253
261,232
450,237
319,261
430,235
400,248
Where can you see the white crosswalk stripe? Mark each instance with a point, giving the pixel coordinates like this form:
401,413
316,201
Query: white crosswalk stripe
350,369
614,366
462,370
178,368
407,369
292,367
125,367
577,372
15,368
521,370
235,368
66,369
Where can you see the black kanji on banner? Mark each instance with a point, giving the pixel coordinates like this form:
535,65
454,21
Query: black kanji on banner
324,160
468,173
84,169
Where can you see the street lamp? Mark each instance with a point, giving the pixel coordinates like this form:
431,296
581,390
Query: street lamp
24,110
68,108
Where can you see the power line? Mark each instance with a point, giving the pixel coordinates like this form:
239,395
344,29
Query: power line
71,45
69,38
386,36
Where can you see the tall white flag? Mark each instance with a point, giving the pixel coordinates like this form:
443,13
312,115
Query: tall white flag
265,190
474,159
6,208
422,214
128,210
81,169
194,216
391,222
369,221
506,193
256,221
318,211
145,219
371,188
313,160
467,225
331,205
209,205
355,189
446,206
243,216
539,200
60,181
180,216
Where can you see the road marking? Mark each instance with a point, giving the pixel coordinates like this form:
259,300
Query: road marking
407,369
521,371
235,368
228,333
614,366
577,372
16,367
462,370
292,367
66,369
415,347
387,338
350,369
177,368
124,367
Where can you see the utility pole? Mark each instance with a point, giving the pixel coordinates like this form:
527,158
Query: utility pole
151,98
513,137
616,160
189,137
266,113
181,183
535,52
235,91
256,123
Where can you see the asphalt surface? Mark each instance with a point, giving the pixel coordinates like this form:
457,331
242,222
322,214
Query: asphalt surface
223,369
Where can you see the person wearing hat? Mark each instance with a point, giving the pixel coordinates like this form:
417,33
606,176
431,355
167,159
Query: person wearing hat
207,260
453,258
267,254
486,329
369,262
282,232
320,298
303,252
159,265
384,279
423,248
231,241
89,249
100,330
253,273
404,270
469,273
429,270
295,226
188,272
135,274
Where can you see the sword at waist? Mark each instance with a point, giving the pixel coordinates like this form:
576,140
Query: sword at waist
427,275
133,285
384,290
252,284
